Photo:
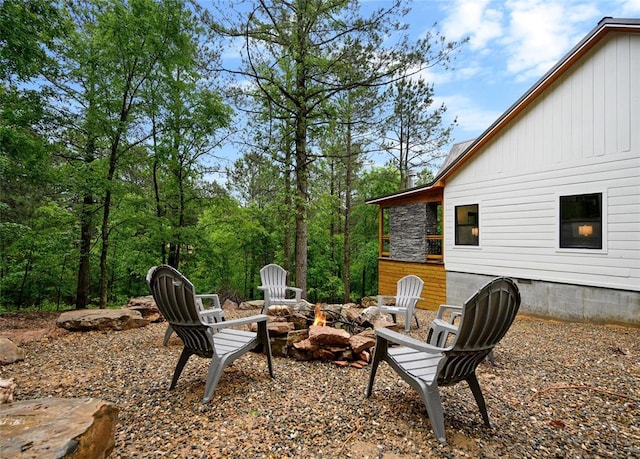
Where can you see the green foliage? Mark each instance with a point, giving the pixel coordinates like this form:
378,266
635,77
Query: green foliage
110,116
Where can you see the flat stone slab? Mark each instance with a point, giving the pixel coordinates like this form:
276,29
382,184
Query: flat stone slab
58,428
101,319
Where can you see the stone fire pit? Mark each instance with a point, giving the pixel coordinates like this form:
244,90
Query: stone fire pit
345,338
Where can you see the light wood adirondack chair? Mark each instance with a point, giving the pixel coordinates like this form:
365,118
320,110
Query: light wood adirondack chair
407,295
485,319
275,288
201,335
215,313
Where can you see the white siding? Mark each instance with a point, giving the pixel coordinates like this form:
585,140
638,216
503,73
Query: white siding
581,135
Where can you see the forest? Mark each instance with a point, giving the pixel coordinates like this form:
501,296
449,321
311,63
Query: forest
216,137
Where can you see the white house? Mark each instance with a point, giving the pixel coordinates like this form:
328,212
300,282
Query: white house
549,194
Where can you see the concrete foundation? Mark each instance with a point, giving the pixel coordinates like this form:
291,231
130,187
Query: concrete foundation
576,303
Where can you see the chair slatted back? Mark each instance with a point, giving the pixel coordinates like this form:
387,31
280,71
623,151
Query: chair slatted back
486,317
274,277
175,297
409,288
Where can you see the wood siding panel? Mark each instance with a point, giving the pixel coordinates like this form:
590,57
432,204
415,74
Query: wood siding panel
582,137
434,291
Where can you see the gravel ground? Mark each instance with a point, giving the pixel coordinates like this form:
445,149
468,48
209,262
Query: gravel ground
560,390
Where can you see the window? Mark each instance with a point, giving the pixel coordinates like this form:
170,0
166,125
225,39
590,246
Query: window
385,232
581,221
467,228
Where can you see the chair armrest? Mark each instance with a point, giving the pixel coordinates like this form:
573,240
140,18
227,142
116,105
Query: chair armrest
211,296
447,307
441,324
381,299
296,290
236,322
417,298
405,340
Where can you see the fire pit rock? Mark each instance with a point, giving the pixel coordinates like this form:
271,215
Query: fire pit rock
341,333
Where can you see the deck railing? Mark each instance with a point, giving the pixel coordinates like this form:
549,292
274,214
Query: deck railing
434,247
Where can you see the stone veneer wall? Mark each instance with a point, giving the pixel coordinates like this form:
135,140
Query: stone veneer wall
408,227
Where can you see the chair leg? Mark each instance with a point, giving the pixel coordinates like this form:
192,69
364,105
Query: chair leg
477,393
167,335
263,337
216,368
379,352
429,335
182,361
417,324
431,397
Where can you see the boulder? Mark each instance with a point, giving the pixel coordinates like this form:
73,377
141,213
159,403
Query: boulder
254,304
146,306
9,352
361,343
369,301
101,319
7,388
279,328
230,305
58,428
328,335
296,335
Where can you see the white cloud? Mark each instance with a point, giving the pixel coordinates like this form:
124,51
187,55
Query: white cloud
472,118
630,8
540,32
530,35
475,19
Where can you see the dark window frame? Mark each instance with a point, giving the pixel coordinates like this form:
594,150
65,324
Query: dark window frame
581,221
467,232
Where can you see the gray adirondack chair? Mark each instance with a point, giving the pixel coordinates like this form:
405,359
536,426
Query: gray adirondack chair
275,288
216,314
445,324
200,333
407,295
486,317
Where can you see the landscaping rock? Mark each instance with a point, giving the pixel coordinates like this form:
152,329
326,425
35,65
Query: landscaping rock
58,428
279,328
7,388
229,305
9,352
361,343
328,335
146,306
101,319
254,304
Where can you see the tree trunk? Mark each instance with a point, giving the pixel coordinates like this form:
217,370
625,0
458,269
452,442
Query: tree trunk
106,211
288,208
302,184
347,217
86,228
156,187
105,248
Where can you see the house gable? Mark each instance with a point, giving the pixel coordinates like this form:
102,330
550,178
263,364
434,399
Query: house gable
576,138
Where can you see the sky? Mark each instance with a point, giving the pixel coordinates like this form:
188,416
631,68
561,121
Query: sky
512,44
